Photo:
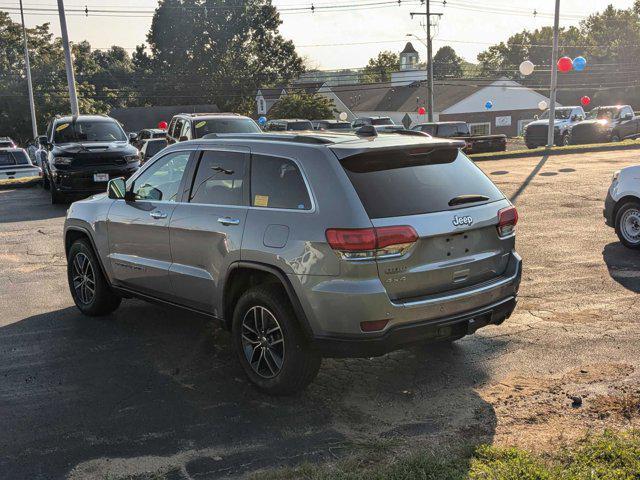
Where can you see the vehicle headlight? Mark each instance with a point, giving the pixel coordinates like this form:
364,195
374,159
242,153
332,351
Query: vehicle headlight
62,161
132,158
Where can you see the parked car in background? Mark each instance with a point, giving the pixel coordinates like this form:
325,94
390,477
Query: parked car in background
331,125
461,131
147,134
15,163
535,133
189,126
6,142
606,124
321,245
80,154
375,121
151,147
622,206
287,125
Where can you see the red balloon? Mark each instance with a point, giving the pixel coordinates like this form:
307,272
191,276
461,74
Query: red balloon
565,64
422,111
585,101
162,125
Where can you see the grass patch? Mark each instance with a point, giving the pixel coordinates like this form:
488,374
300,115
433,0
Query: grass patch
607,456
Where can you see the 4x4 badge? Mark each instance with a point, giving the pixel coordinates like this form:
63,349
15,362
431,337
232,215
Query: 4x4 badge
457,221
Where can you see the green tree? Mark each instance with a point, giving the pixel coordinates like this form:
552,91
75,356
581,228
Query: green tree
379,68
303,105
218,50
447,64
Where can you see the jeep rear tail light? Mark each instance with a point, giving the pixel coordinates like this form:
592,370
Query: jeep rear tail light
373,325
371,243
507,219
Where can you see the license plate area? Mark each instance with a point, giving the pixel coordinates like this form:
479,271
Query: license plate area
100,177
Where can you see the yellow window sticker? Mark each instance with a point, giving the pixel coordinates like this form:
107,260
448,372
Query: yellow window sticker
201,124
62,126
261,201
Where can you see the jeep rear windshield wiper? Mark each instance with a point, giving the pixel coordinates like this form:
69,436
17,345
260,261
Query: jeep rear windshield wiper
460,199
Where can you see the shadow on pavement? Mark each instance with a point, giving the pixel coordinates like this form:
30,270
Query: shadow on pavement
34,198
528,180
623,264
154,381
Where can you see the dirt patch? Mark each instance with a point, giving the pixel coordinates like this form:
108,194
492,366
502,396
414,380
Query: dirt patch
602,372
625,406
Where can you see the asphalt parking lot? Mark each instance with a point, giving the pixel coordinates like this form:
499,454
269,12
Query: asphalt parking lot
151,389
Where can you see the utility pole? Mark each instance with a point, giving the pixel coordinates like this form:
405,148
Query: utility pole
430,95
554,78
73,98
27,67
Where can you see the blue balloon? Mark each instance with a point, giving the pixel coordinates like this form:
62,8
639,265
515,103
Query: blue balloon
579,64
488,105
262,120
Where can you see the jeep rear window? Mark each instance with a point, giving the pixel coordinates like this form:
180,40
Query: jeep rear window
399,183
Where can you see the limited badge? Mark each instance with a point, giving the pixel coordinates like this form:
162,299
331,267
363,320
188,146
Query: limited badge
261,201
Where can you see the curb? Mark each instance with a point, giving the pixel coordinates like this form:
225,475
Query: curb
554,151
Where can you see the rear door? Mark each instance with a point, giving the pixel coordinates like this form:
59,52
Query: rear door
139,249
452,206
206,229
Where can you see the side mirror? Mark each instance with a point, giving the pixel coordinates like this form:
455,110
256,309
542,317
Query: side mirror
42,140
133,136
117,188
536,117
183,138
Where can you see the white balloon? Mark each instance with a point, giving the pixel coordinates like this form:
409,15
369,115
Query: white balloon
527,67
343,116
543,105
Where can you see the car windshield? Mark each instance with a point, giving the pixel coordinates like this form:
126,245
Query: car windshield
603,113
89,131
302,125
336,126
154,146
382,121
561,114
224,125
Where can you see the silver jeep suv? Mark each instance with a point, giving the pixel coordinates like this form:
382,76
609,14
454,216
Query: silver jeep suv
304,246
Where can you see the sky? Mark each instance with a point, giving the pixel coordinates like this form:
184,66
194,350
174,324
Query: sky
341,39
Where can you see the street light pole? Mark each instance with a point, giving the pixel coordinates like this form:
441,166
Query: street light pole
27,67
430,97
71,81
554,78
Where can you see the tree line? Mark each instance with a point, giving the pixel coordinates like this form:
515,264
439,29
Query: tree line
222,51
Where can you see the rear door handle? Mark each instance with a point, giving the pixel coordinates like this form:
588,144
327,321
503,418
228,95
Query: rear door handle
229,221
158,215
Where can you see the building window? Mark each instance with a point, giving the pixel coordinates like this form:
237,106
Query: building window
480,128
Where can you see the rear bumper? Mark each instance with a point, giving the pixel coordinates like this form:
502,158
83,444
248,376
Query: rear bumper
336,308
81,181
608,211
417,333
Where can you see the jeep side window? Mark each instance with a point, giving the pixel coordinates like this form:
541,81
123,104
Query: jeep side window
177,128
220,178
160,182
277,183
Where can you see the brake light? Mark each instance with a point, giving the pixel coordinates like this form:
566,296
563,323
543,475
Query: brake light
507,220
371,243
373,325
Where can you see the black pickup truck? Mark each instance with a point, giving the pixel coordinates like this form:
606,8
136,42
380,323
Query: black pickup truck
461,131
606,124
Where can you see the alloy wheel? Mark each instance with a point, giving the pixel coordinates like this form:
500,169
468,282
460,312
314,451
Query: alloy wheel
84,281
630,225
263,342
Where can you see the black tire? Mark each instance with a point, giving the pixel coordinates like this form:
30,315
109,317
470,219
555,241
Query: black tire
104,300
56,196
625,211
615,138
299,363
566,140
530,146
